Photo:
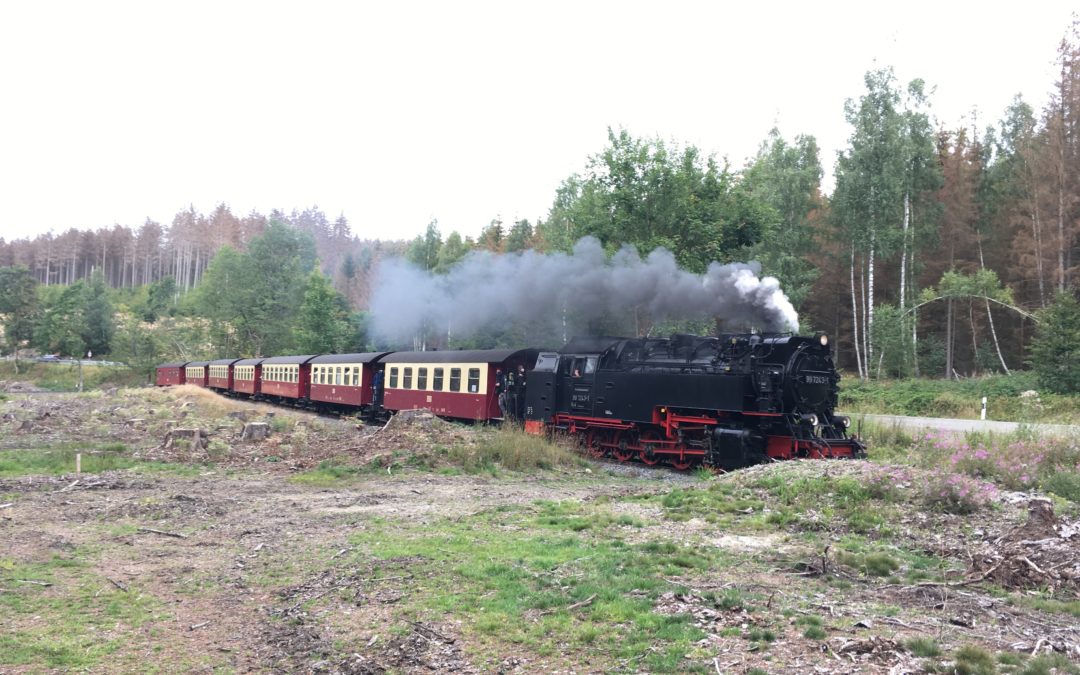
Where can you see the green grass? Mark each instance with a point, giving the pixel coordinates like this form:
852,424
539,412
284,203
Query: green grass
96,457
328,473
960,398
512,575
924,647
1044,604
64,377
512,450
76,623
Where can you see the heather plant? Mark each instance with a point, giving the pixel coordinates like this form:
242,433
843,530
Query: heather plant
957,493
1019,461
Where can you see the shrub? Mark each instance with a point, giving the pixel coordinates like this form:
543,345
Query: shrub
957,493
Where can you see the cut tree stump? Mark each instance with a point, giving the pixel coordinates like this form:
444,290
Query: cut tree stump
255,431
198,437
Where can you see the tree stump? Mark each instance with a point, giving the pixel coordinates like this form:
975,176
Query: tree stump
255,431
199,438
241,415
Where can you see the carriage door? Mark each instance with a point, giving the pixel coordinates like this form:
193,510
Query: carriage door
580,380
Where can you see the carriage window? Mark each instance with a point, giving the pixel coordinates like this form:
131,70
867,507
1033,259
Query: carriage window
406,380
348,376
356,376
455,379
393,378
337,375
421,378
437,384
474,380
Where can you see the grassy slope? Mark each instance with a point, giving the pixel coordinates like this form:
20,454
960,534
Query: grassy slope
960,398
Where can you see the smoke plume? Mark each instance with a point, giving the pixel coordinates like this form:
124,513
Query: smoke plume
485,291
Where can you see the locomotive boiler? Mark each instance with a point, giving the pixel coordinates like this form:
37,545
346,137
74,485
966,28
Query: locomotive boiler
726,401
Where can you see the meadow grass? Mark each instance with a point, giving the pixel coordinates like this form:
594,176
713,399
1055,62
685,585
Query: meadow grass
59,459
88,618
65,377
960,398
548,577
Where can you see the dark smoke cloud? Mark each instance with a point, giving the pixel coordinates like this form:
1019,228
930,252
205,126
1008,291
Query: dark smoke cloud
486,290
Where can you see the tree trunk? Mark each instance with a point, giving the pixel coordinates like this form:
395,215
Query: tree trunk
854,315
948,339
974,338
870,304
904,251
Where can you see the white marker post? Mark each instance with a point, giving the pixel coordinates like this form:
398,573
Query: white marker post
983,409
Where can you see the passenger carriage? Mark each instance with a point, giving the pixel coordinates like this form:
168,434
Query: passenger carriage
458,384
170,373
220,374
197,373
246,376
344,380
286,377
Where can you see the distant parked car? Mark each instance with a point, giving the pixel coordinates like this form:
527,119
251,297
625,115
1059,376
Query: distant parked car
48,358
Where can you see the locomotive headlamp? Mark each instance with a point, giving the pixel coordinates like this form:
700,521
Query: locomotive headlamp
843,421
810,419
824,340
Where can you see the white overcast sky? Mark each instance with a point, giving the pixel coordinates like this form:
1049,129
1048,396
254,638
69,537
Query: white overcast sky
395,113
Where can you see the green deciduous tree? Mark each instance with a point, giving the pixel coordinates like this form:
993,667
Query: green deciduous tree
452,251
643,192
18,306
888,171
788,178
323,326
252,298
424,250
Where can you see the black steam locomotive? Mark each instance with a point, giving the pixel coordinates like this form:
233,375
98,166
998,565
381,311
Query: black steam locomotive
726,401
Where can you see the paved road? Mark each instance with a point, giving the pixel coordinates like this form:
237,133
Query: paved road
946,424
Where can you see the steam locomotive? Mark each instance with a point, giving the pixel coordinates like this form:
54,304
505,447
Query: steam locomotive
726,401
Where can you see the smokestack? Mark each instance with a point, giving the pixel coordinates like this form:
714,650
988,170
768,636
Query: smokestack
487,292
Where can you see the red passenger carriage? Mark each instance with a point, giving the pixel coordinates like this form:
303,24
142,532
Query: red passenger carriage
457,384
246,376
286,377
220,374
170,373
344,380
197,373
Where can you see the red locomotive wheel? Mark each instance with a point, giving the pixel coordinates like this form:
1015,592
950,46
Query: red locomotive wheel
593,440
648,447
681,464
622,452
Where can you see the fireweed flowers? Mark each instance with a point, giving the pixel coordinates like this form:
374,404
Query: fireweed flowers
950,492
